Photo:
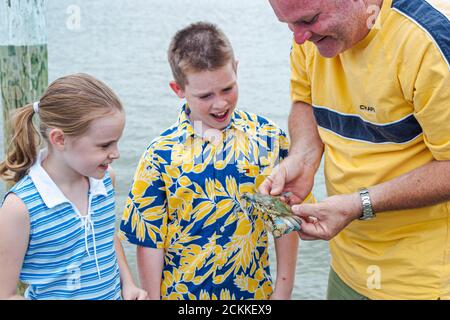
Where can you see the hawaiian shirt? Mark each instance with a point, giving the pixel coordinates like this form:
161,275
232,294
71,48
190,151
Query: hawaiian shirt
185,198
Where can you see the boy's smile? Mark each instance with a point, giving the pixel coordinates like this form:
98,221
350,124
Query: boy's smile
211,96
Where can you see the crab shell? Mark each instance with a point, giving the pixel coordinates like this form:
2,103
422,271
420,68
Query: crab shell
268,204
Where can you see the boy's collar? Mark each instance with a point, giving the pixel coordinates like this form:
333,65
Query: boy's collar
49,191
185,123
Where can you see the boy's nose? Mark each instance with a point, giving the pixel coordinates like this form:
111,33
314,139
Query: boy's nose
220,104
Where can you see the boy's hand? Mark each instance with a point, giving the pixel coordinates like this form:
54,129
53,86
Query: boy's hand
132,292
291,175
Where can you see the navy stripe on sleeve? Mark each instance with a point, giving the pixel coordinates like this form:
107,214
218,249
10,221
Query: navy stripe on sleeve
430,19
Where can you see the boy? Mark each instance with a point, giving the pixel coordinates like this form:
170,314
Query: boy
183,211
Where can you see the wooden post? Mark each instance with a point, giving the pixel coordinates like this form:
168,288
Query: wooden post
23,55
23,58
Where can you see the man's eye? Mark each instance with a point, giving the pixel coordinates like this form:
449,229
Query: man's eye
314,19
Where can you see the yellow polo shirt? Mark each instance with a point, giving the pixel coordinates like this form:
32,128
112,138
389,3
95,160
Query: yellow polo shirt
383,109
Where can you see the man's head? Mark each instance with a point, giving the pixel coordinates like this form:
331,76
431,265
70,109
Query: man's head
204,71
332,25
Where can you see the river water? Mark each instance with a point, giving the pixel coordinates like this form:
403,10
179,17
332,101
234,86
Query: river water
124,43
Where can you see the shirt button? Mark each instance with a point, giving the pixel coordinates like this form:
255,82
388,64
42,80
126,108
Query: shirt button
222,229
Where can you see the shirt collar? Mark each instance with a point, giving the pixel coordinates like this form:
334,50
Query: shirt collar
49,191
184,123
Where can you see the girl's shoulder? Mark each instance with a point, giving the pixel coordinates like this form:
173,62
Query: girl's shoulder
14,210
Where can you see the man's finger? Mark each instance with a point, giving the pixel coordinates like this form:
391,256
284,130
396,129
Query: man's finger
266,186
306,211
278,181
310,230
306,237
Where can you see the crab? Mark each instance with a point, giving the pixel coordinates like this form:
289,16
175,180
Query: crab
280,219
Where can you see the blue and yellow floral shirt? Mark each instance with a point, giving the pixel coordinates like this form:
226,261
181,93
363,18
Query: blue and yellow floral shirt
185,200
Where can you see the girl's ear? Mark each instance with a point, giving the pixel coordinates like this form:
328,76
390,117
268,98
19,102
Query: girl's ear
57,139
177,89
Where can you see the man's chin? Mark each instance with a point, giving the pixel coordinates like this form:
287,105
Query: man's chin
328,53
329,50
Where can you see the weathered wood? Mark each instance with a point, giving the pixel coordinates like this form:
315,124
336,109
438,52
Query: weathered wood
23,55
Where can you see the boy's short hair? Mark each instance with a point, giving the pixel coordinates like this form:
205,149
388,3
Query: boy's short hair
198,47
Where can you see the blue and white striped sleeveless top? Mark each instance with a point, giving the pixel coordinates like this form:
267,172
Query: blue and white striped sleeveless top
69,256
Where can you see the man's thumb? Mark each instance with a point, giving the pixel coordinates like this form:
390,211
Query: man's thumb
305,210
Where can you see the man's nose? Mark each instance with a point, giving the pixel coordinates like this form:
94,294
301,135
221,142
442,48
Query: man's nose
301,34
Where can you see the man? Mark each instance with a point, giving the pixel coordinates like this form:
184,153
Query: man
370,87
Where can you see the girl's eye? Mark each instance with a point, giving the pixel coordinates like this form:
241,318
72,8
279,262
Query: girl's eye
104,146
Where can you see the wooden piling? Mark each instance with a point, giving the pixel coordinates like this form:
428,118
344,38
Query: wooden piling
23,55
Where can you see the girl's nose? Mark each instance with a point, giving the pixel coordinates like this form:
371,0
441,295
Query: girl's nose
115,154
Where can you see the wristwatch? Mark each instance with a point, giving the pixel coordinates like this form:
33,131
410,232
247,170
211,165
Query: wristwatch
367,210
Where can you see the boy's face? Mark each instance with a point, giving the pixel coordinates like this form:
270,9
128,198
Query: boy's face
211,96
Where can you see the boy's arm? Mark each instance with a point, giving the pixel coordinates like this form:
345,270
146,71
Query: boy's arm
129,289
14,234
150,212
150,263
286,246
286,253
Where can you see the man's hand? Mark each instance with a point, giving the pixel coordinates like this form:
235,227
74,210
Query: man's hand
326,219
291,175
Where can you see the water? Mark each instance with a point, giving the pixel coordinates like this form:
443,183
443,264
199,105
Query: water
125,43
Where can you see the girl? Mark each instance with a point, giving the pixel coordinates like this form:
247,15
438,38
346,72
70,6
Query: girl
57,223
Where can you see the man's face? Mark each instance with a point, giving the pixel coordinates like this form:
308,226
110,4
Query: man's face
332,25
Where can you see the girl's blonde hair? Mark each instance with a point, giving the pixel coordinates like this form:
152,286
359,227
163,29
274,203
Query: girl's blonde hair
70,103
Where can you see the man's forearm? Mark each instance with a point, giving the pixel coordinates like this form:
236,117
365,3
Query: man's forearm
424,186
304,135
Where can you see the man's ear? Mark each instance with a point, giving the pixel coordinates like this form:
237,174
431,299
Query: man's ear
57,139
177,89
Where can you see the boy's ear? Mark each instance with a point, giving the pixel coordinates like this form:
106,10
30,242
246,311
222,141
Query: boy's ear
57,139
177,89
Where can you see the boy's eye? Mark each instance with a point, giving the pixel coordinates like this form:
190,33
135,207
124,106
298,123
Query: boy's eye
227,89
104,146
206,96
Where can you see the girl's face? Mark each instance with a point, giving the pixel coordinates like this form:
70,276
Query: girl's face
91,153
